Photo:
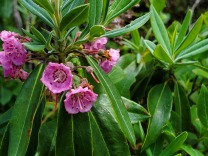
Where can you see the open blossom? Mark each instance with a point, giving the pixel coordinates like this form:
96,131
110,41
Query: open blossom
5,35
110,60
97,44
57,77
79,100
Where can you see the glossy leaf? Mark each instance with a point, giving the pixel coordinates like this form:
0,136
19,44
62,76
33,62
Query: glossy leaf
184,28
116,102
160,31
194,50
5,142
118,7
150,45
95,12
5,117
46,5
201,72
38,34
175,145
75,17
105,10
161,55
105,120
182,108
159,104
68,5
191,36
202,106
24,109
117,74
46,144
97,31
34,46
137,23
158,6
191,151
38,11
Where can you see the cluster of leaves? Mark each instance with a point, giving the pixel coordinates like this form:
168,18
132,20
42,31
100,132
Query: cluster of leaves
167,76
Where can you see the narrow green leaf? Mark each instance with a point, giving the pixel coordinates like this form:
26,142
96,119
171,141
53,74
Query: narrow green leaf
193,50
118,7
159,104
38,11
46,143
46,5
158,6
75,17
160,30
65,132
202,106
137,23
34,46
191,151
117,74
191,36
104,124
116,102
97,31
32,147
175,145
38,34
182,108
68,5
5,117
201,72
161,55
5,142
150,45
24,109
105,10
184,28
96,7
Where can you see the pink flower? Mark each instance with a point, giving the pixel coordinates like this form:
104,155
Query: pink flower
57,77
5,35
96,45
79,100
111,59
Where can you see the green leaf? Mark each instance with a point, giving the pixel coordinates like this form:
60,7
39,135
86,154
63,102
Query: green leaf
103,119
201,72
193,50
34,46
191,151
46,137
116,102
202,106
38,11
74,132
5,117
196,122
158,6
105,10
33,37
191,36
175,145
137,23
150,45
5,142
97,31
117,74
68,5
184,28
161,55
32,147
95,12
159,104
118,7
46,5
136,112
182,108
160,30
75,17
38,34
24,109
5,96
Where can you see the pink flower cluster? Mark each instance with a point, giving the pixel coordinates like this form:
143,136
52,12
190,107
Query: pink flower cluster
109,58
13,57
58,78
